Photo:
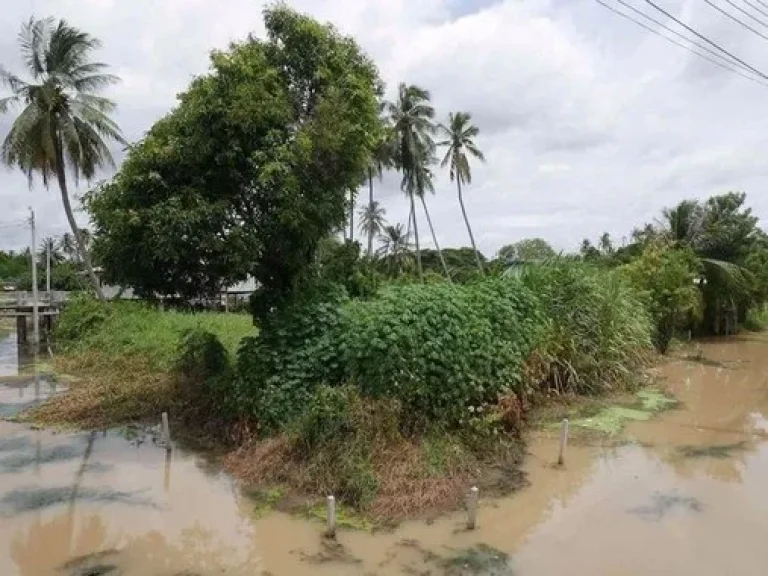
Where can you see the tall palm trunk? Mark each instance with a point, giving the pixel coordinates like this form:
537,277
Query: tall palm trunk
86,257
351,215
469,228
416,239
434,239
370,208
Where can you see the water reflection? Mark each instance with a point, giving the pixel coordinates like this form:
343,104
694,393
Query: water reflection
684,494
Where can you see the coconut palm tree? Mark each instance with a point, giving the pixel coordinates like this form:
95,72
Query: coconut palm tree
63,121
459,139
423,182
411,116
372,222
683,223
51,244
395,247
381,159
67,245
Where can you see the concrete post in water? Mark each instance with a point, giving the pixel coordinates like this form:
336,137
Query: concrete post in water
166,431
331,518
472,508
563,442
167,473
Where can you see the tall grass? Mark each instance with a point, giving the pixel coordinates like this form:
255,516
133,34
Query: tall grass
123,356
133,329
598,330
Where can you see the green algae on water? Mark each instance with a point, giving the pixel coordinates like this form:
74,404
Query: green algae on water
345,517
611,420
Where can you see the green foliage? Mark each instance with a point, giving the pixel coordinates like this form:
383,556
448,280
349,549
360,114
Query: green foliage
597,333
440,349
249,172
340,263
82,317
461,263
294,352
666,276
528,250
125,329
13,265
336,434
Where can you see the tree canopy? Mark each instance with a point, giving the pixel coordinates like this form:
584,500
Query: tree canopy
528,250
249,172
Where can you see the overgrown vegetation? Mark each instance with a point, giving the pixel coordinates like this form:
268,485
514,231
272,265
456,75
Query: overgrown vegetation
124,356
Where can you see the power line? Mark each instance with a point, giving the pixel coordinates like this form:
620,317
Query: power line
740,9
748,3
707,40
683,46
682,36
732,17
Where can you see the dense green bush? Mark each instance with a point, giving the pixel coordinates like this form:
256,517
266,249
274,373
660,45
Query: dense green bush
295,351
441,349
82,316
438,349
598,330
666,278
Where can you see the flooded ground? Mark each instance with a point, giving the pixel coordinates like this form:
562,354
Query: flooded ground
686,493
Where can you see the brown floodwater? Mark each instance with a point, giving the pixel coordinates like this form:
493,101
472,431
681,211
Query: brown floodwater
683,493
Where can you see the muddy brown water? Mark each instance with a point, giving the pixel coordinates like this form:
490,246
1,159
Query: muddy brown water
686,493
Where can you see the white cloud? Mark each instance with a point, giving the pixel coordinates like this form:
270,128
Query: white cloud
588,122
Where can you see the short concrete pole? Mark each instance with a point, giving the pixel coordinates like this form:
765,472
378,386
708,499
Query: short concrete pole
331,517
166,431
563,442
472,508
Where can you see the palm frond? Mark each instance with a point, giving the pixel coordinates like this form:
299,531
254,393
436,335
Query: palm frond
34,41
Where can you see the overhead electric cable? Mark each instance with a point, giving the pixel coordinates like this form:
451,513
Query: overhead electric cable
732,17
707,40
683,46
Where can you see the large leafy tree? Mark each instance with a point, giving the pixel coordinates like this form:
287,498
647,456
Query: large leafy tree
63,121
459,139
411,116
249,172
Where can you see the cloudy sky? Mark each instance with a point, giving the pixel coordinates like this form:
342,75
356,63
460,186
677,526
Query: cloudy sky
588,122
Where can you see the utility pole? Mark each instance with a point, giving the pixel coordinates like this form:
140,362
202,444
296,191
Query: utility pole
48,269
33,255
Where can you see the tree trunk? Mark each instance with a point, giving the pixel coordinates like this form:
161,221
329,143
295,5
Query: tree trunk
370,209
469,228
351,215
416,239
86,257
434,239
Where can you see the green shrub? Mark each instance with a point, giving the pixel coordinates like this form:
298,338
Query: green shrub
336,436
598,331
665,275
294,352
441,349
82,316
